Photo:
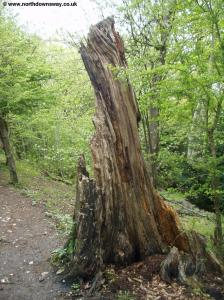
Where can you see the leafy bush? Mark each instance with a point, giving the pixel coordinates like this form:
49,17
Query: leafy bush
198,183
170,169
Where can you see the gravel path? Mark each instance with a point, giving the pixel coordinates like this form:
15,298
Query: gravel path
26,241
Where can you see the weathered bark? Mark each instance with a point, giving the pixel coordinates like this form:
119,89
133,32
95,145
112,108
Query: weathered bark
4,136
120,218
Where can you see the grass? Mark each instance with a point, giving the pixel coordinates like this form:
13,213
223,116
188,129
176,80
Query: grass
172,194
124,295
57,197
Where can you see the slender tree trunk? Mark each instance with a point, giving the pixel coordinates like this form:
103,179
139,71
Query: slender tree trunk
8,152
1,144
154,130
153,125
215,185
154,141
154,112
151,137
196,136
145,132
119,217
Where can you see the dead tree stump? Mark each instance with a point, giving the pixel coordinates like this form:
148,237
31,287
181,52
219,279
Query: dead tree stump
119,216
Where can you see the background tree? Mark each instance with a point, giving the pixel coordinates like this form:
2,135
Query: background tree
23,74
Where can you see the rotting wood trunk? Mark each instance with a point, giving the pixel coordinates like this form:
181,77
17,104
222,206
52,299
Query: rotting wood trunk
119,217
4,136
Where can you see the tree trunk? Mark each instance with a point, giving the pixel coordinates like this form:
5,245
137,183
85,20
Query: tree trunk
153,133
149,149
215,185
1,144
4,136
196,136
119,217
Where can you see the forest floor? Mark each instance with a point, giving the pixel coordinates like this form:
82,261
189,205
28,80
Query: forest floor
34,221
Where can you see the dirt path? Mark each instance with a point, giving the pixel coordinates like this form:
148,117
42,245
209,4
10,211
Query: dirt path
26,241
